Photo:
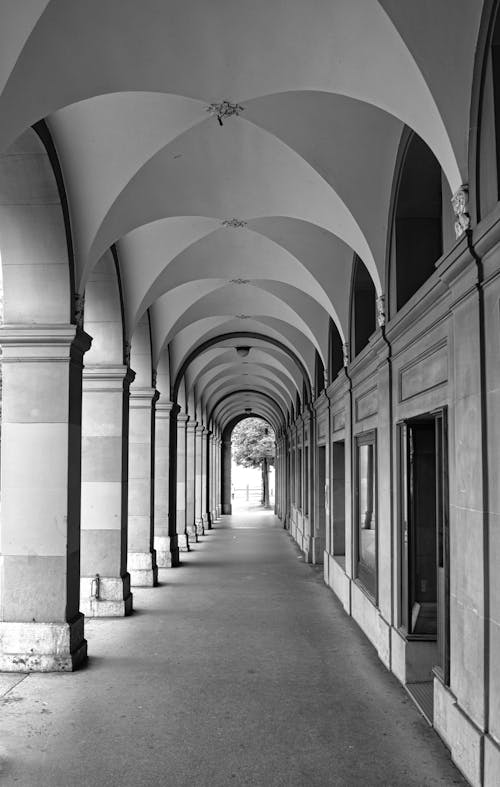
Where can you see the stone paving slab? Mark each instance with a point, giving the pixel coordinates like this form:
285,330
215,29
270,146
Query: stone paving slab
240,669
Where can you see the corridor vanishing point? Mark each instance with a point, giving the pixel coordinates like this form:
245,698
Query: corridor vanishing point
215,209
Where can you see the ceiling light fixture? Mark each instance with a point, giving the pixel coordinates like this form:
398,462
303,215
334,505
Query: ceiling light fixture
243,351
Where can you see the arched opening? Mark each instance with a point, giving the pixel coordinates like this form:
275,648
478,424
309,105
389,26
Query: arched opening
362,307
418,220
335,352
248,444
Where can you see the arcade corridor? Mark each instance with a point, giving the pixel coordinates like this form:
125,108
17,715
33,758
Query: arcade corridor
271,209
239,669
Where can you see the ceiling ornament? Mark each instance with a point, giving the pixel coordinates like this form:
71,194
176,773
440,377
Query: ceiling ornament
239,281
224,109
345,353
234,223
460,203
242,316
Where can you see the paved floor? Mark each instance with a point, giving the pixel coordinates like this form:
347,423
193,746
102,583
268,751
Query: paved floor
240,669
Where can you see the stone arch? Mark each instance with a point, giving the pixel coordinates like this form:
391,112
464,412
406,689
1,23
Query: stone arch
35,239
226,458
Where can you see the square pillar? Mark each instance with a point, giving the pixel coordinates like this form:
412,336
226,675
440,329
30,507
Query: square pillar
162,458
41,626
141,554
218,444
182,538
204,479
198,498
105,582
191,481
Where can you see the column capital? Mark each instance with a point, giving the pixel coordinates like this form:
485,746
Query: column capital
182,418
143,397
59,342
191,425
99,377
164,408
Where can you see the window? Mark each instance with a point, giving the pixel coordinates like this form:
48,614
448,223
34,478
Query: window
306,480
362,307
299,479
418,230
365,551
338,498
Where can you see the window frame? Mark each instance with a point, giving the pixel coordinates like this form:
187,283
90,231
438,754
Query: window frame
364,577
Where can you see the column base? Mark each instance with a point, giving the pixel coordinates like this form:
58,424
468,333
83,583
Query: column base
200,527
205,521
192,534
163,549
114,601
42,647
143,569
183,542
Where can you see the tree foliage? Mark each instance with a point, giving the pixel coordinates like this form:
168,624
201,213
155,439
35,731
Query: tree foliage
253,441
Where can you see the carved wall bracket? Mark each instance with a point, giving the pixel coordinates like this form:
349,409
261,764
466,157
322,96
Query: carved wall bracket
380,306
460,203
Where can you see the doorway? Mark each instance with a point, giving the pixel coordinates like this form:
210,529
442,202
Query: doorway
425,534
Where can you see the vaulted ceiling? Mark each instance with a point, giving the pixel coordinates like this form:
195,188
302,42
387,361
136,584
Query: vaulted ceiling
305,167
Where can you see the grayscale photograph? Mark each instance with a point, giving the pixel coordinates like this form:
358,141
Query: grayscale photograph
249,393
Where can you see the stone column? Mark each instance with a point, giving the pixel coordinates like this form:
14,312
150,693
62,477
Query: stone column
198,500
141,553
226,477
162,457
104,582
182,538
41,626
218,474
190,481
211,478
204,480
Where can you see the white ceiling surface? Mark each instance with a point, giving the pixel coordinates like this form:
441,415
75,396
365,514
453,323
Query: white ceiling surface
326,87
